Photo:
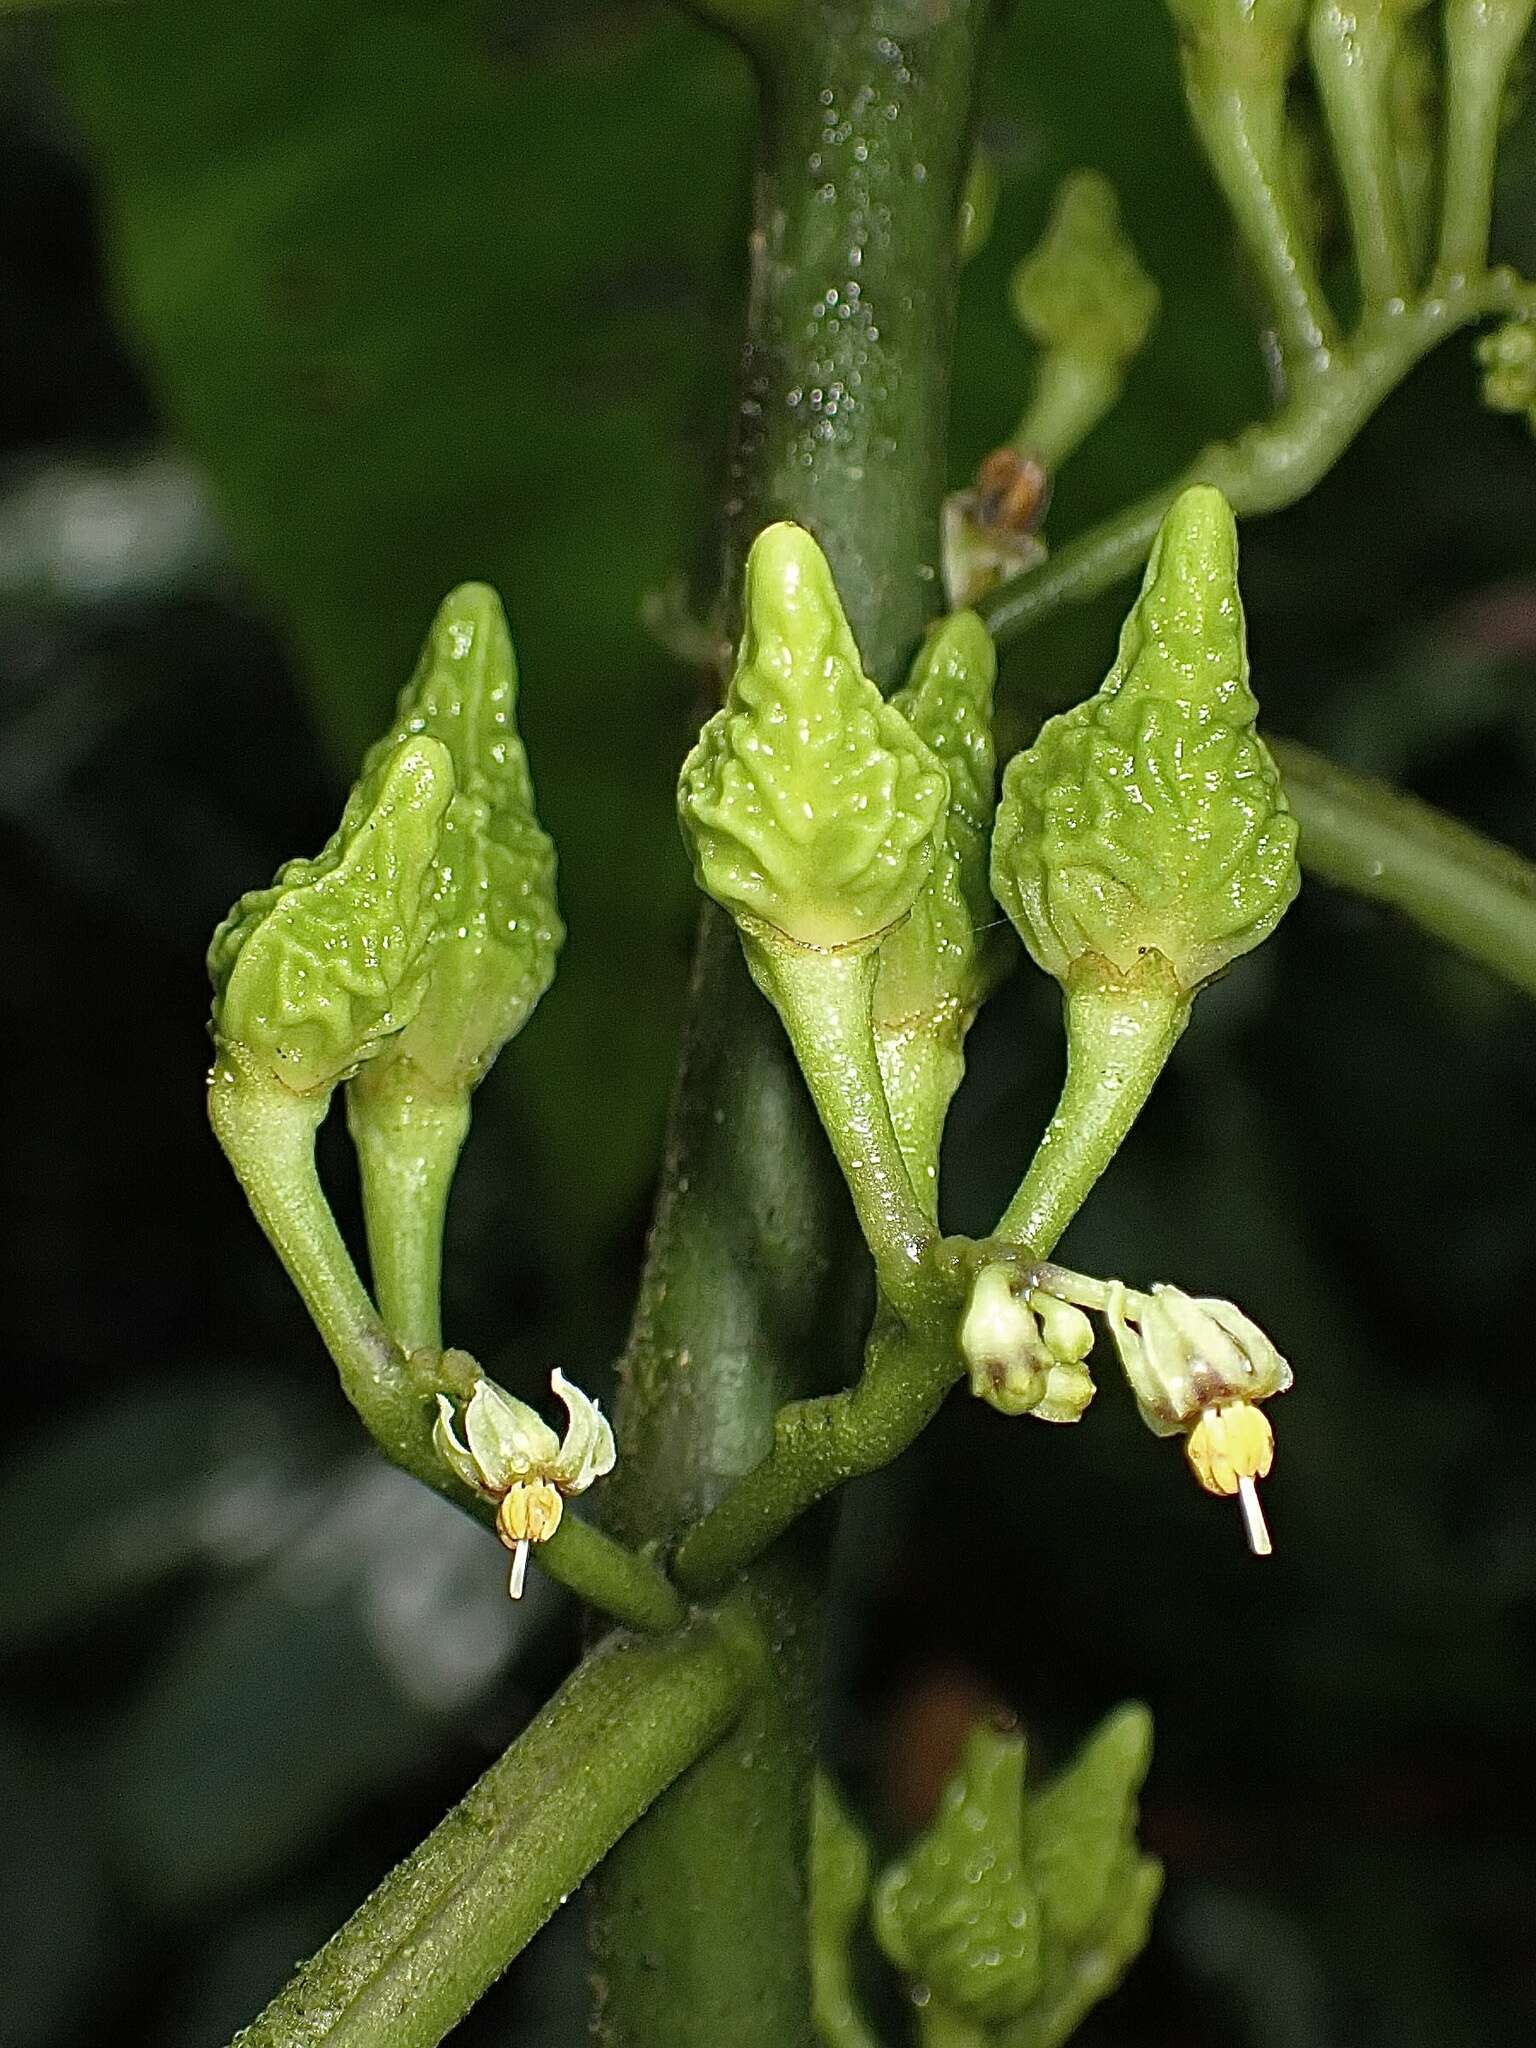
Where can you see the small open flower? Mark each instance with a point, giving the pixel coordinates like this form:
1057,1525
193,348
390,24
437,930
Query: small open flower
1198,1366
511,1455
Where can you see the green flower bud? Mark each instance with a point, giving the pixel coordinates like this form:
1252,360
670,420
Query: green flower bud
1024,1355
960,1913
1508,359
1150,818
1097,1890
495,929
809,804
313,975
1020,1913
1081,291
935,968
1183,1354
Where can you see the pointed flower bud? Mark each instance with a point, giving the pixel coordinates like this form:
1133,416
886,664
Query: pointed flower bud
495,931
809,804
1081,289
1019,1909
313,975
509,1454
1150,818
935,968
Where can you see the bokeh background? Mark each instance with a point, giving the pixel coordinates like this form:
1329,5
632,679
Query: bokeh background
306,314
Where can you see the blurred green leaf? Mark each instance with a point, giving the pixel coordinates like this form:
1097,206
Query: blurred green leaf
447,291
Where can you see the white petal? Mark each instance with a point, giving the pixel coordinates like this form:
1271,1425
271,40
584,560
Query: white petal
454,1454
507,1438
588,1451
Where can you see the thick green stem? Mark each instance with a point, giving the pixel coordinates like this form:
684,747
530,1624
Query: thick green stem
1120,1032
268,1135
700,1933
1354,46
824,1001
1269,466
1475,895
1238,111
444,1924
408,1137
1481,38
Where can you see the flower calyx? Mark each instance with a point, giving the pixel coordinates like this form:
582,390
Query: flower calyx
509,1454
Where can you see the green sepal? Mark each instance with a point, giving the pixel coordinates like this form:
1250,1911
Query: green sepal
496,931
934,970
313,975
1081,291
1151,817
809,804
960,1913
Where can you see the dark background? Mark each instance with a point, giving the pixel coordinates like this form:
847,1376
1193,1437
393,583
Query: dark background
306,314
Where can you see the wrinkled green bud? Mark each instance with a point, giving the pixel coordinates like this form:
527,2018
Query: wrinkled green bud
1024,1353
840,1864
1097,1890
960,1913
1508,359
935,968
809,804
314,974
495,929
1081,290
1150,818
1017,1911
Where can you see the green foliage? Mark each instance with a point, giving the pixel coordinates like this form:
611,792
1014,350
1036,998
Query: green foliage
809,803
1150,817
314,974
1021,1910
839,1885
495,931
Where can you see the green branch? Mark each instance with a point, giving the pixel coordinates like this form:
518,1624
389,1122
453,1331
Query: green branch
1481,39
445,1923
1270,465
1476,896
1354,47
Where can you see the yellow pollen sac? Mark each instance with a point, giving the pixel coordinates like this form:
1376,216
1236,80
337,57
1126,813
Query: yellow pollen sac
1230,1444
529,1513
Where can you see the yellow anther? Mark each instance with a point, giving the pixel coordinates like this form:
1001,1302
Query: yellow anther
1230,1444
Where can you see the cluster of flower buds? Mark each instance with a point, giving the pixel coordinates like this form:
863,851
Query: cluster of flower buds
509,1454
1198,1367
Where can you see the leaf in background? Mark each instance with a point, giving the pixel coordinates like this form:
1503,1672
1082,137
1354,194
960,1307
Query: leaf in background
311,1686
447,292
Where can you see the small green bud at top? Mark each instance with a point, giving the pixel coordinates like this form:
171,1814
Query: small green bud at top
809,804
1150,818
495,929
1081,291
314,974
